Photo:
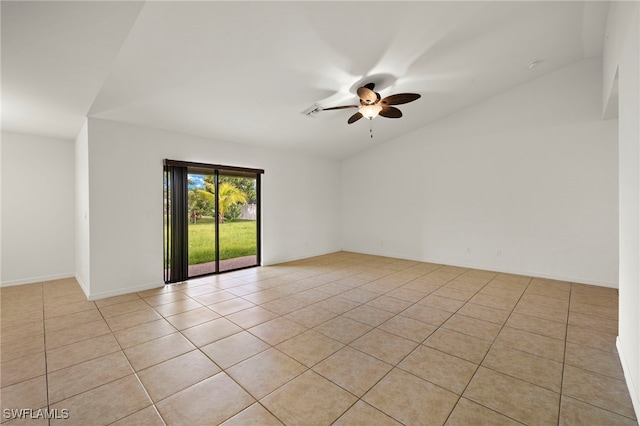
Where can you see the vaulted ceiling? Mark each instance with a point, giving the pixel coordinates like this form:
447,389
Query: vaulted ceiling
246,71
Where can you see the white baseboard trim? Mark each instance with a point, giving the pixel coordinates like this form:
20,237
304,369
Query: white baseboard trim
120,292
33,280
83,285
493,268
634,392
272,262
85,288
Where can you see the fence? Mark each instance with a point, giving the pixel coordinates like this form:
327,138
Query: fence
249,212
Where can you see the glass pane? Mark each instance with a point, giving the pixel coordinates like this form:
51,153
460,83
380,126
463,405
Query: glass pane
237,204
202,224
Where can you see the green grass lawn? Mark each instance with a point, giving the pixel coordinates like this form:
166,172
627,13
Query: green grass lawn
236,239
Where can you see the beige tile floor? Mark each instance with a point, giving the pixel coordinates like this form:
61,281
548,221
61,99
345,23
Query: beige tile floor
341,339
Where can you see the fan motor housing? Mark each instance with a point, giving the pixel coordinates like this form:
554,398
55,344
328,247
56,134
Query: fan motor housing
382,81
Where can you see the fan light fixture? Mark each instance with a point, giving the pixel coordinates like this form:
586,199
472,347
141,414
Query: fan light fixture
372,105
370,111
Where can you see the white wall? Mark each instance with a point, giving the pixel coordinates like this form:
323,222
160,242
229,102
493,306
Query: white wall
525,182
300,209
37,209
82,241
623,40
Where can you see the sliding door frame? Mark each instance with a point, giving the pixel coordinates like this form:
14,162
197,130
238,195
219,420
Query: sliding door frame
176,236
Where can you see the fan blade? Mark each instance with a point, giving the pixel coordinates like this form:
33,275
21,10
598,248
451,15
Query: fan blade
390,112
341,107
400,98
355,117
370,86
367,95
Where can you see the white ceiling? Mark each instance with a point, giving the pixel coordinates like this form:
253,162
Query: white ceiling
245,71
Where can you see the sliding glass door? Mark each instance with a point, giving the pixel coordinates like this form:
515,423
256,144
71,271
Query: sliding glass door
212,219
237,220
201,236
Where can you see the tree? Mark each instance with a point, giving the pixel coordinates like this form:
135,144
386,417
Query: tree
244,184
228,195
231,194
201,203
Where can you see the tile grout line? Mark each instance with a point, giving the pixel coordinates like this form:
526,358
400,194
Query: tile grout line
564,357
360,398
489,350
404,357
486,353
199,349
46,367
478,366
581,368
310,368
391,290
320,283
153,403
395,315
135,373
378,296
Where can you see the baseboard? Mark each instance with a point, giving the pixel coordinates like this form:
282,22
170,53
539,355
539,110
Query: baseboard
633,390
493,268
33,280
293,259
577,280
120,292
83,285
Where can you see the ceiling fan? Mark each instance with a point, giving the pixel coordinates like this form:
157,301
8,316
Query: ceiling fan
372,105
